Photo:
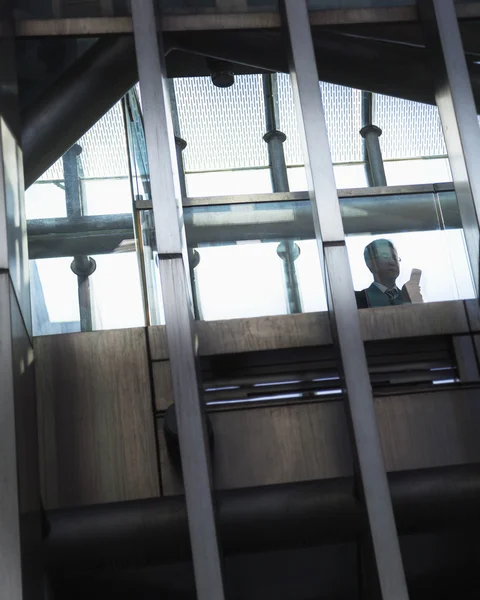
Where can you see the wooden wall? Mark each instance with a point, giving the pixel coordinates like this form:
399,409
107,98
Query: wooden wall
102,395
306,441
96,422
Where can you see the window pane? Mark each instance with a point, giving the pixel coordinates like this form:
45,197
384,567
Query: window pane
243,280
116,292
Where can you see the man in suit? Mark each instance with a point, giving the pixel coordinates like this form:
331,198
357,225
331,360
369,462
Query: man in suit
382,260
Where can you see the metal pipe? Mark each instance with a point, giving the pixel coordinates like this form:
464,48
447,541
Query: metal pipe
82,265
76,102
367,117
155,531
371,134
287,250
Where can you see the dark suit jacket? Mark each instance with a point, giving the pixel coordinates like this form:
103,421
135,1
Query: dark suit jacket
373,296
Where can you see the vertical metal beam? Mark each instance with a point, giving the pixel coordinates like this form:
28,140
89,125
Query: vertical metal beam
342,305
173,266
456,105
20,540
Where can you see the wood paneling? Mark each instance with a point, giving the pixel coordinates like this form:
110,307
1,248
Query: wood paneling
96,425
250,335
260,446
157,341
163,385
263,333
413,320
429,430
313,329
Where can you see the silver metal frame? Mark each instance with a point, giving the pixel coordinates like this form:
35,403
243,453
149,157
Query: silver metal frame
10,559
394,190
241,20
173,268
343,310
456,105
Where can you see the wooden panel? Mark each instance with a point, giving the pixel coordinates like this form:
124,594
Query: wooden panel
250,335
157,341
313,329
260,446
263,333
413,320
163,385
96,426
429,430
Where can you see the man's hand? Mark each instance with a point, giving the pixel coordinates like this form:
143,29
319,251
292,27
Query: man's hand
412,287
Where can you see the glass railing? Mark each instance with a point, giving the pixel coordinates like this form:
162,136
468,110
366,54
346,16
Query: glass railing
249,255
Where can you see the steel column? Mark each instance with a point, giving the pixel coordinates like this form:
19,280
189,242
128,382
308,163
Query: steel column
372,153
342,305
173,266
82,265
456,105
287,250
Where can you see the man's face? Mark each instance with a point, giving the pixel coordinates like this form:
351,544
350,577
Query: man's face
385,263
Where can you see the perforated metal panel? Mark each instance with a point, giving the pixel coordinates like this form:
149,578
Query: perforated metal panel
343,115
223,127
409,129
104,150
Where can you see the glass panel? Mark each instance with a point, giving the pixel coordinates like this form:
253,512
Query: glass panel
406,248
225,183
79,213
226,155
240,280
431,170
149,268
54,290
241,272
44,200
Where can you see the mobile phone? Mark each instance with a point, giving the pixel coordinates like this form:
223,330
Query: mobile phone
415,276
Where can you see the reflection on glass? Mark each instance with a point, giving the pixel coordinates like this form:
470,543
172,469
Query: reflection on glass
439,255
382,260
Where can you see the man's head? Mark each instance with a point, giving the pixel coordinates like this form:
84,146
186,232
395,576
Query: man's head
382,259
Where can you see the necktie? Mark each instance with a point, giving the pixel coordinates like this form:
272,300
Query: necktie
391,295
